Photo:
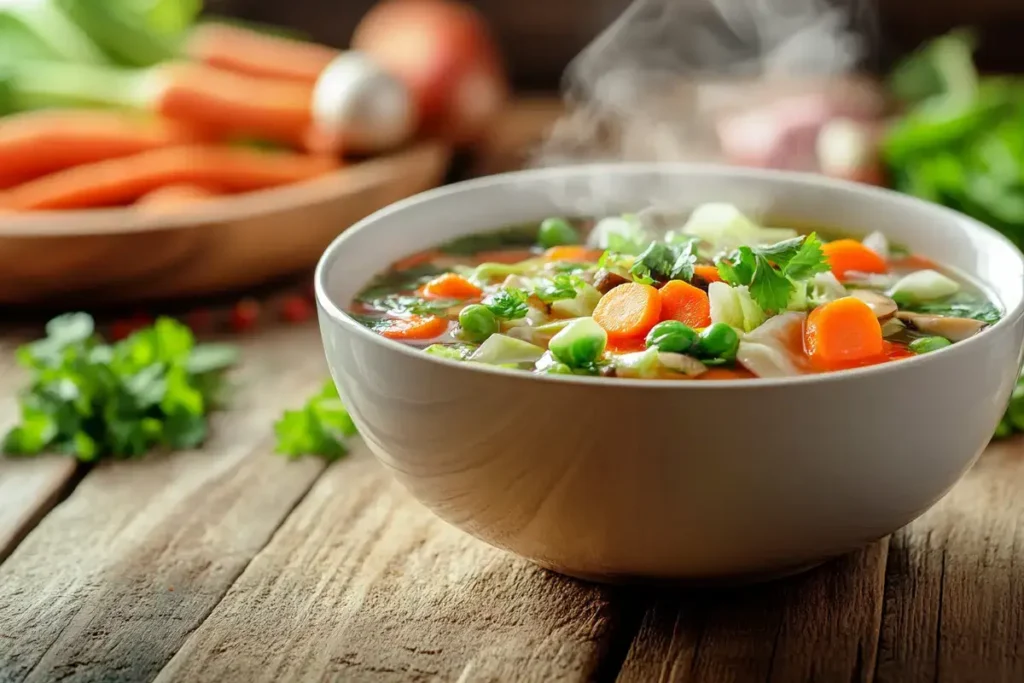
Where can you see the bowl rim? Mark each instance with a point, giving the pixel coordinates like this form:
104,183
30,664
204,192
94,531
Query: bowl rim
338,315
350,178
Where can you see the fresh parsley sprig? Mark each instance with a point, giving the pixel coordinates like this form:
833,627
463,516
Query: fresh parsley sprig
662,262
508,303
94,400
321,427
769,271
561,286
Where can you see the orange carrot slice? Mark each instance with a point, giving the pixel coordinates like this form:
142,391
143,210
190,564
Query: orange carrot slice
847,255
683,302
572,253
629,310
842,333
248,52
124,180
451,286
626,344
707,273
414,327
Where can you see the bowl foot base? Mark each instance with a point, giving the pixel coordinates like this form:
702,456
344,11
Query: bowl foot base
727,581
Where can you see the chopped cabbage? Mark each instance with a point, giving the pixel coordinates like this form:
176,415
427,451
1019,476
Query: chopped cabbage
638,365
587,298
500,349
923,285
765,351
878,243
621,234
725,227
734,306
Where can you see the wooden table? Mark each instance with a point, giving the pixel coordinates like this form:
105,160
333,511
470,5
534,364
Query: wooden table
233,565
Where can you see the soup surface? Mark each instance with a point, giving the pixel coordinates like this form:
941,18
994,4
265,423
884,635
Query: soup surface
712,295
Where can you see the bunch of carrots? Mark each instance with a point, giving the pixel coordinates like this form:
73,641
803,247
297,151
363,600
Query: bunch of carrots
119,103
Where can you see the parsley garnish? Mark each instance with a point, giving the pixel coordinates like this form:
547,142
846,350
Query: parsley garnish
662,262
396,281
401,303
508,303
769,271
985,311
93,400
560,287
320,427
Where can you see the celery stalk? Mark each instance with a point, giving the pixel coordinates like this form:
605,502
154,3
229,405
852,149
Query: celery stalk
39,28
123,31
44,85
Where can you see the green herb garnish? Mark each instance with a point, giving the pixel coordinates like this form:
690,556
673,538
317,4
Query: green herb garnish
959,307
562,286
93,400
769,271
662,262
508,303
321,427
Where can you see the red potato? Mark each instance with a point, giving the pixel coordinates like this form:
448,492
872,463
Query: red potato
443,52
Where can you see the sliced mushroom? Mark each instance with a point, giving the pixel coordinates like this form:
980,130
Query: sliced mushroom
882,306
953,329
605,281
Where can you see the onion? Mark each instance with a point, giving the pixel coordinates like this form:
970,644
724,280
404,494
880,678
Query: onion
443,52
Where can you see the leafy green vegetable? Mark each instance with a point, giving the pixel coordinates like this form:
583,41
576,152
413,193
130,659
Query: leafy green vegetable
94,400
42,29
403,303
320,427
562,286
134,33
398,281
661,262
508,303
515,236
960,307
769,271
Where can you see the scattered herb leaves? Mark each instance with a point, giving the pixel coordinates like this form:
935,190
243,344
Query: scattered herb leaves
562,286
769,271
508,303
94,400
321,427
662,262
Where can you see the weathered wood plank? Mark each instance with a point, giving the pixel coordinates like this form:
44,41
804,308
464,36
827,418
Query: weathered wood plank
954,604
111,582
363,584
819,627
28,488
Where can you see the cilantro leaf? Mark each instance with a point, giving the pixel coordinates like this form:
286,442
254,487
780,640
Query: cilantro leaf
769,287
403,303
662,262
960,307
508,303
562,286
93,400
808,261
739,268
320,427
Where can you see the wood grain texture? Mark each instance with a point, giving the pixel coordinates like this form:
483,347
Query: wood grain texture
954,600
821,627
28,488
111,582
363,584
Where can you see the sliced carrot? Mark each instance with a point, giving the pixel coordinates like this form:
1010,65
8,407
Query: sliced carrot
123,181
726,373
36,143
572,253
846,256
171,198
683,302
451,286
232,105
415,260
626,344
914,262
843,333
414,327
238,49
707,273
629,310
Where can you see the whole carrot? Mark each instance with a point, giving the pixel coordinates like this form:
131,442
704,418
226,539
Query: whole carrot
34,144
172,198
125,180
248,52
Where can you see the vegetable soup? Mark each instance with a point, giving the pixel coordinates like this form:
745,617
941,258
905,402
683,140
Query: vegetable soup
710,296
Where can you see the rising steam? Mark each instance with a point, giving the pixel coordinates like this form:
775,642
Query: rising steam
657,82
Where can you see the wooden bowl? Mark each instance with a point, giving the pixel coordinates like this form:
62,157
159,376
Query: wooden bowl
126,255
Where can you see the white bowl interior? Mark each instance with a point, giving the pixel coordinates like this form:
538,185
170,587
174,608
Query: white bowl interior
431,218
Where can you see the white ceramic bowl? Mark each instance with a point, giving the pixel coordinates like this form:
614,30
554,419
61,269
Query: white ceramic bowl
616,479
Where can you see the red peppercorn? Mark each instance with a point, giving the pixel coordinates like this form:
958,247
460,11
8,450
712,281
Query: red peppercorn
245,315
296,309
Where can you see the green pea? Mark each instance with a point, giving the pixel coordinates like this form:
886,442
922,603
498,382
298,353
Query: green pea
718,341
929,344
477,323
671,336
556,232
